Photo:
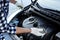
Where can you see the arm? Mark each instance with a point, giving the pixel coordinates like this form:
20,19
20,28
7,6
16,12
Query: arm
35,31
20,30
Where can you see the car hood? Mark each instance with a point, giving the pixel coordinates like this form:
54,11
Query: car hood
50,4
13,11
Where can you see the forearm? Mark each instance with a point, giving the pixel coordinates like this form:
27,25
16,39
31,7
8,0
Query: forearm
20,30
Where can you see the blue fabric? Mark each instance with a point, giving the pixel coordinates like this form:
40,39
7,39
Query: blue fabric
6,36
4,26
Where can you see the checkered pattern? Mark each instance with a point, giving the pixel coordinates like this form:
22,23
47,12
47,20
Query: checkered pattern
4,27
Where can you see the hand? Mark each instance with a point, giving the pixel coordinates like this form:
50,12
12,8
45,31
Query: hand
13,1
37,31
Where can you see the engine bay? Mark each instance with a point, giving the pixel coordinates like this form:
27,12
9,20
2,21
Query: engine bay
39,17
33,20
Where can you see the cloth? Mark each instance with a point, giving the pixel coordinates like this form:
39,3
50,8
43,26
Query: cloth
6,36
9,36
4,26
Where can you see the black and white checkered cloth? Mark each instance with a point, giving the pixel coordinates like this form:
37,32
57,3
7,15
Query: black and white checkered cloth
4,26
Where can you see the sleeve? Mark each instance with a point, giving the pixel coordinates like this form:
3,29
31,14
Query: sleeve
4,26
11,29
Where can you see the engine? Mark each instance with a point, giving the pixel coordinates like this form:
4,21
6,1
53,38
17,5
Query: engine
42,18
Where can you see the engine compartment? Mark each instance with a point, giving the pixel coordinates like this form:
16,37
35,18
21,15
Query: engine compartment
39,18
48,26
